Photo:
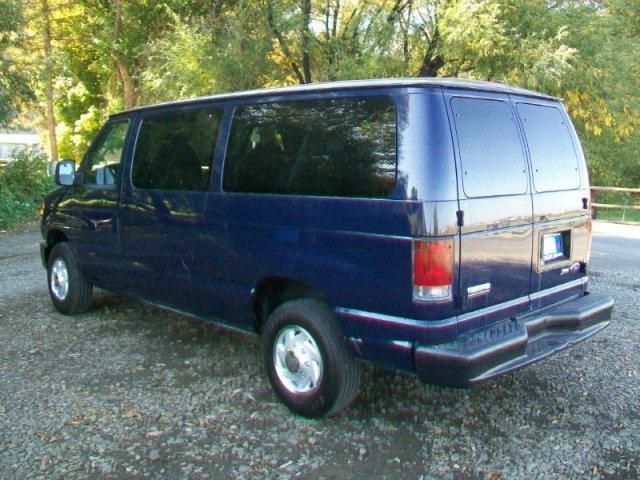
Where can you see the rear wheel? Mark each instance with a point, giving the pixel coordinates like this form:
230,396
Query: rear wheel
69,290
308,363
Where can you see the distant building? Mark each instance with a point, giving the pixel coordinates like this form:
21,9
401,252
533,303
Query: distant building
10,142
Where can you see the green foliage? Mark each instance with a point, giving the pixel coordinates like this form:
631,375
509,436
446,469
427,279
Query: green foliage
74,140
23,183
114,54
14,90
506,41
180,65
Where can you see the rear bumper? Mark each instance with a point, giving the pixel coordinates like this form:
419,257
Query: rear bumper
477,356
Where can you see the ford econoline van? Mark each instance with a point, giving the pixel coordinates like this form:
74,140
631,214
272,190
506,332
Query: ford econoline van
437,227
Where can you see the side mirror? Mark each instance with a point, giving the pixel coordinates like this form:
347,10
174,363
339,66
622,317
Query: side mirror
65,172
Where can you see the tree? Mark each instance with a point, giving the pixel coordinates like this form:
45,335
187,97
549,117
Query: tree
107,55
48,76
13,83
129,93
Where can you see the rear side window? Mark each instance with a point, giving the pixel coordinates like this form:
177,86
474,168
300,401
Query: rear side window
491,153
553,156
338,147
174,150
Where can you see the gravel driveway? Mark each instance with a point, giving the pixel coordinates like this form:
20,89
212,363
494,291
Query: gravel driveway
131,390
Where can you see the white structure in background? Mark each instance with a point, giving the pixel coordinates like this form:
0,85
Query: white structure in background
9,142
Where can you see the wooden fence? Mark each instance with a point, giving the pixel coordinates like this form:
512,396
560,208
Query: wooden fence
595,205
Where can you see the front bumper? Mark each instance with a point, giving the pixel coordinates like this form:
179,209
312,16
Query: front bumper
480,355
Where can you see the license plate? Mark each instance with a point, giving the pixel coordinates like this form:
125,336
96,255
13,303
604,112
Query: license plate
551,246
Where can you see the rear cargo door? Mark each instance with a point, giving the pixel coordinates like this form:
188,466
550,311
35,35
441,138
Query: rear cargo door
560,200
496,235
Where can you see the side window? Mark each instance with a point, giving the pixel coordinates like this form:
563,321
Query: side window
335,147
102,165
553,157
174,150
491,155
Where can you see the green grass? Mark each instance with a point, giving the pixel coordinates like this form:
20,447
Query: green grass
618,215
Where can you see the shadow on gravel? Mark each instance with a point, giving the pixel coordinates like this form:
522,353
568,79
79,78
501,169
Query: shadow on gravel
173,339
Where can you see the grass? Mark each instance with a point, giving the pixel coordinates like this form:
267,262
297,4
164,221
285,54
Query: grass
618,215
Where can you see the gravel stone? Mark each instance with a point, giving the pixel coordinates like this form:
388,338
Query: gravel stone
128,390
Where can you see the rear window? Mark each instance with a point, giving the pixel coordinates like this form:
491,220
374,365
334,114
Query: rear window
553,156
491,153
174,150
338,147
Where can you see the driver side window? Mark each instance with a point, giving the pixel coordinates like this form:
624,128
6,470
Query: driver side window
103,162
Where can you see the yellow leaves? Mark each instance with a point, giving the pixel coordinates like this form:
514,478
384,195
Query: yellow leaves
576,97
277,56
572,97
628,126
590,112
595,116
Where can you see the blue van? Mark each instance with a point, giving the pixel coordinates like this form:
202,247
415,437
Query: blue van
433,226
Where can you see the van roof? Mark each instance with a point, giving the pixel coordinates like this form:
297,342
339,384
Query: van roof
350,84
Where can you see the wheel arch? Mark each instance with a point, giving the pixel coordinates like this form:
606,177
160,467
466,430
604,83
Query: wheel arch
271,292
54,236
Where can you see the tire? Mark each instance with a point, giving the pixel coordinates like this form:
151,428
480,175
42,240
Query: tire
309,323
77,296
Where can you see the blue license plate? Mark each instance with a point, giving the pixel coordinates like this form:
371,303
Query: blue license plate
552,247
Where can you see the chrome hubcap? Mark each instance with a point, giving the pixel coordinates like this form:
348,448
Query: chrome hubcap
297,359
59,279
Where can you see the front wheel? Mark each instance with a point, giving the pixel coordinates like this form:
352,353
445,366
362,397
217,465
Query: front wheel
308,362
70,292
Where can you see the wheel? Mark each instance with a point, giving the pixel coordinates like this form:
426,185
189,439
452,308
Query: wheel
307,360
69,290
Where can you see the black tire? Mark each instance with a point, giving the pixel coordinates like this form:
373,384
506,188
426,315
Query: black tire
79,291
341,372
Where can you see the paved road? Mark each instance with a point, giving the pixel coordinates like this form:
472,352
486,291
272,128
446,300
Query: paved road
616,246
127,390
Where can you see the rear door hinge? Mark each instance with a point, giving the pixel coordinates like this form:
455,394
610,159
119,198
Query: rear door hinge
460,215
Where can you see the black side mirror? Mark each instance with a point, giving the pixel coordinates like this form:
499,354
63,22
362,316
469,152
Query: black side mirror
65,172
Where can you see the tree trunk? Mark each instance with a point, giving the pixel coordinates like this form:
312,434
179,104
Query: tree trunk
128,88
432,61
282,43
304,33
430,66
123,72
48,80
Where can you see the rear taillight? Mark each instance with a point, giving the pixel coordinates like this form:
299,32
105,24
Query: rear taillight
432,270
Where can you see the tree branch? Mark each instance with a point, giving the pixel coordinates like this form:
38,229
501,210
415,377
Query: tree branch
282,43
432,61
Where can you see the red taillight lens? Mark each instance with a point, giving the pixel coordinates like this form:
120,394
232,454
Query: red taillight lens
432,269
